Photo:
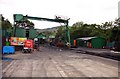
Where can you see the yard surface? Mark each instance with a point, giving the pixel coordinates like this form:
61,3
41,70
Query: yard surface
53,62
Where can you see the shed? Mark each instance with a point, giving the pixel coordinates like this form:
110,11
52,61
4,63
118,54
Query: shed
96,42
32,33
84,41
41,36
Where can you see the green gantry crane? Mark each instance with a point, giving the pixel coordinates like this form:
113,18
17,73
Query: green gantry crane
21,18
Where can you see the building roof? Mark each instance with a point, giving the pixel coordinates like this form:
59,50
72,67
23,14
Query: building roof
86,38
41,36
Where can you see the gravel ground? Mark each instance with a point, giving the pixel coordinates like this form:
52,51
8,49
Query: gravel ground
55,62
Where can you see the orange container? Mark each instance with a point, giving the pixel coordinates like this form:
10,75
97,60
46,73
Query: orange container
75,43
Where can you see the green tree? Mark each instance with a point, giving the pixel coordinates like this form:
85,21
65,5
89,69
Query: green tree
104,30
80,29
116,30
6,26
30,24
61,33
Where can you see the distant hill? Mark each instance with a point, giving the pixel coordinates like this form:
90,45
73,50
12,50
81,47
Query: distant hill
53,29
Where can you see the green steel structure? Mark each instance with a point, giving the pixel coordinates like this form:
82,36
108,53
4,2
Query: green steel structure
32,33
18,18
20,32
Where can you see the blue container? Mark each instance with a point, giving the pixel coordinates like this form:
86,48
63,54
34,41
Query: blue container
8,50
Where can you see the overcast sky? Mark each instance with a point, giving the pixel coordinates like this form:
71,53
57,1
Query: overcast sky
88,11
